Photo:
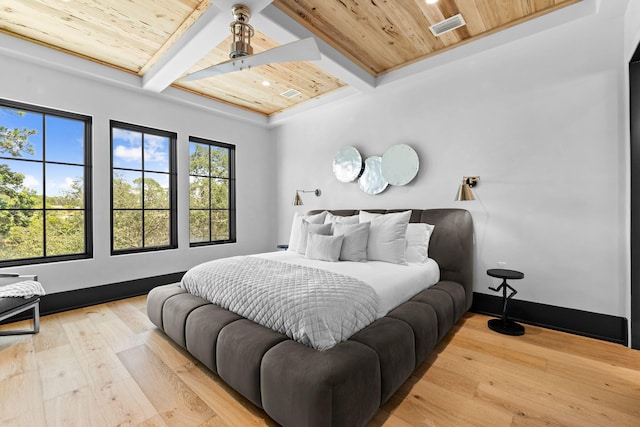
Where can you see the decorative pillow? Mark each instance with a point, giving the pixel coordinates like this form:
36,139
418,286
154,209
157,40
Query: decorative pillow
323,248
354,245
337,219
296,228
387,236
418,235
307,228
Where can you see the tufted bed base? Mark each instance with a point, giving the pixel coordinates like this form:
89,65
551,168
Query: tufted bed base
345,385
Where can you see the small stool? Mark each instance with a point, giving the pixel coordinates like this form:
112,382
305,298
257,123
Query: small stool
504,325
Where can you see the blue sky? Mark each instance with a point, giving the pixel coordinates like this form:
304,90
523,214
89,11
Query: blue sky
64,143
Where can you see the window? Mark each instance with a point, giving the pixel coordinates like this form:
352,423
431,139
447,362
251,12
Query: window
45,185
212,185
143,183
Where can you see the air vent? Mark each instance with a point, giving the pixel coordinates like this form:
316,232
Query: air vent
456,21
290,93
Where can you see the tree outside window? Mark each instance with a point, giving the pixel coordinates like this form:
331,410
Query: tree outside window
44,185
143,193
212,192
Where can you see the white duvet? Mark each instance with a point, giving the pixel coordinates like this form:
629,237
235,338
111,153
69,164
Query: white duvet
393,283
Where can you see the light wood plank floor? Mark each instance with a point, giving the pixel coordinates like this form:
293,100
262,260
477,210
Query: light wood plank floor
107,365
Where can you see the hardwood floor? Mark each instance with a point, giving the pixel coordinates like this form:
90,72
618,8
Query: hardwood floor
107,365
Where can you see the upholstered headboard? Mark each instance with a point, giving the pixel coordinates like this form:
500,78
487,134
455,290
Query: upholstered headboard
451,243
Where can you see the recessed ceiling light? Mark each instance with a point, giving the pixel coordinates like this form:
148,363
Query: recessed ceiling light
432,1
266,83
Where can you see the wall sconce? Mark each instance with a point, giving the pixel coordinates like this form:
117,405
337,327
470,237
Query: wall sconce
297,201
464,191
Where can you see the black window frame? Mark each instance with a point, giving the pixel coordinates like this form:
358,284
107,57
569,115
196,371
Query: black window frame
173,187
232,192
87,170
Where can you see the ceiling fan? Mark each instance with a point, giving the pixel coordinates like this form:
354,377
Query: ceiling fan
241,54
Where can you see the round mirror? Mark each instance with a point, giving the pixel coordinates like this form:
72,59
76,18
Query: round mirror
347,165
400,164
372,181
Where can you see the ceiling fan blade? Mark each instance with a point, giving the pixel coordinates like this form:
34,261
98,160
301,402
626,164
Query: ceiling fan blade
301,50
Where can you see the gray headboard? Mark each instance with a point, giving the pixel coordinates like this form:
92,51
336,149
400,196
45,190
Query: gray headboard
451,243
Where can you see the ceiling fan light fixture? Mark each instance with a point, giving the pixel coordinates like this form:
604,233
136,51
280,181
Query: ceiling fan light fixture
241,31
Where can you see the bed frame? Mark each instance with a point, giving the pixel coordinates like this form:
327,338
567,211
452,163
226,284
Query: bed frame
344,386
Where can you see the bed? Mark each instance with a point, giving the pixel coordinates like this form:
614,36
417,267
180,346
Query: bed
345,385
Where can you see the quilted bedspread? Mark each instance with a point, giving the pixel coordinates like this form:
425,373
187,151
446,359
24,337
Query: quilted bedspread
315,307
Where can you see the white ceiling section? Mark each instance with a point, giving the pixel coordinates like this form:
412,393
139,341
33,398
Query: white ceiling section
213,26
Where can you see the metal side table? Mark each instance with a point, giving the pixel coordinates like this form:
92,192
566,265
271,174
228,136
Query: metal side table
504,325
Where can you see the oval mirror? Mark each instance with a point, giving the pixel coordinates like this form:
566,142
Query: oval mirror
372,181
347,165
400,164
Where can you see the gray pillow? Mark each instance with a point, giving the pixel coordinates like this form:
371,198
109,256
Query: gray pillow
307,228
323,248
354,245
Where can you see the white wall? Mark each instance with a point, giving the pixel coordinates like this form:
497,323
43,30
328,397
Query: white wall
539,119
255,161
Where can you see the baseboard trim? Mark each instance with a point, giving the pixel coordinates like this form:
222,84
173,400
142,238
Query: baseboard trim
78,298
594,325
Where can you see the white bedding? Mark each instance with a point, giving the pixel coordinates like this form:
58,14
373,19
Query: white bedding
393,283
313,306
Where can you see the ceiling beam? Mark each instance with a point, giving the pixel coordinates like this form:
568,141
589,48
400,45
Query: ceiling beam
196,42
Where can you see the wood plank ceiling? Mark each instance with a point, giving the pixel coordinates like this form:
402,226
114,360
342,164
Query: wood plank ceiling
378,35
383,35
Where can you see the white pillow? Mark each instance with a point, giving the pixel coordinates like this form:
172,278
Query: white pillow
296,228
337,219
354,245
418,235
387,236
308,228
324,248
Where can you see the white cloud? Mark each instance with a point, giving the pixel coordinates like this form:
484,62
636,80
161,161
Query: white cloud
59,187
152,148
133,138
30,181
128,154
155,147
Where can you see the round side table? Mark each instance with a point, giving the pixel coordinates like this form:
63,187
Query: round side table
504,325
